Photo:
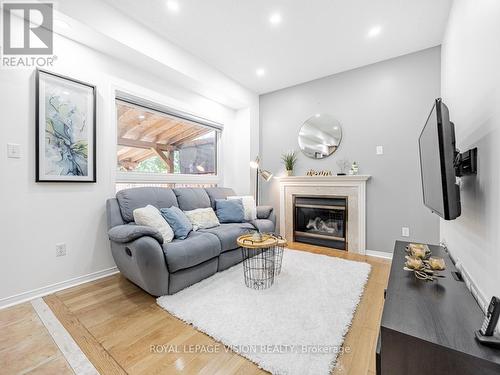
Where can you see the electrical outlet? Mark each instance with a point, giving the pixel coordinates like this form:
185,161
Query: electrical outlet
60,249
405,232
380,150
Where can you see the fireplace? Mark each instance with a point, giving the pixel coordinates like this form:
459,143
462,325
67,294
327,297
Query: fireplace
321,221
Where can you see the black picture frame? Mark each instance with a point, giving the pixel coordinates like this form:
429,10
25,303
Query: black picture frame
92,149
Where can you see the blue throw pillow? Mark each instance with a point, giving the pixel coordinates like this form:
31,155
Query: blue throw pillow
178,221
230,211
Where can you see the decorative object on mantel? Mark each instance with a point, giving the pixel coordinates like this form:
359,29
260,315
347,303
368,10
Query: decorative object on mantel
266,175
320,136
343,165
354,169
313,172
289,160
422,264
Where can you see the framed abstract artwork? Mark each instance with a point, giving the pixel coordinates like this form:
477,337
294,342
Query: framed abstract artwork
65,129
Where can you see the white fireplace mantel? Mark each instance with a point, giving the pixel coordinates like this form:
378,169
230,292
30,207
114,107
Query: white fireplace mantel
352,187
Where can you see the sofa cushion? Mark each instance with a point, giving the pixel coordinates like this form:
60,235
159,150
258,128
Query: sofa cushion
249,207
130,199
192,198
264,225
178,221
228,233
218,193
150,216
202,218
197,248
230,211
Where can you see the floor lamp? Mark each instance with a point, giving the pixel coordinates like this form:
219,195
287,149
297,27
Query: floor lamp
266,175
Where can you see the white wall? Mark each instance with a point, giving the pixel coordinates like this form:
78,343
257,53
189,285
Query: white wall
236,173
36,216
471,90
385,104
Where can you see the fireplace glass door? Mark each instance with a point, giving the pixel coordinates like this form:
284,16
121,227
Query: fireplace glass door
321,221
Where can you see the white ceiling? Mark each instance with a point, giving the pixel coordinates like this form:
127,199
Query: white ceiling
316,38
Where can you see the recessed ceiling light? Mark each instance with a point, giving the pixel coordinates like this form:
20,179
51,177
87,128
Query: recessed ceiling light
374,31
317,115
61,24
173,5
260,72
275,19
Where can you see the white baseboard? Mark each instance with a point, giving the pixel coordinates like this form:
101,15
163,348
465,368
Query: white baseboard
49,289
379,254
473,287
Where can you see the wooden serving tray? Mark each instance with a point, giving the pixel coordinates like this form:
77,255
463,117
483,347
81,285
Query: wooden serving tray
247,241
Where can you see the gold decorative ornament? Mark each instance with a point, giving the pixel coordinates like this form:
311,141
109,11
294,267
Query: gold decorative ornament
422,264
418,250
313,172
436,263
412,263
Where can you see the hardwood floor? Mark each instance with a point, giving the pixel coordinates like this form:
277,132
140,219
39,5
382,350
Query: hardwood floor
115,323
26,346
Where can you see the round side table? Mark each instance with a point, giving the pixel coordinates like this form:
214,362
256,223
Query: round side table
258,260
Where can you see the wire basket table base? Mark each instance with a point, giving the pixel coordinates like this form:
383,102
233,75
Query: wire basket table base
278,255
262,258
258,267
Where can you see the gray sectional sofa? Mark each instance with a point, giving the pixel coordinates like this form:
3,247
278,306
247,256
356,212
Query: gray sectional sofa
165,268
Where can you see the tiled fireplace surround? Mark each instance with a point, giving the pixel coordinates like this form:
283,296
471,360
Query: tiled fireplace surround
352,187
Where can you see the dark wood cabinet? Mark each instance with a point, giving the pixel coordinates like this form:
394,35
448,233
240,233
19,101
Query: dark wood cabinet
428,327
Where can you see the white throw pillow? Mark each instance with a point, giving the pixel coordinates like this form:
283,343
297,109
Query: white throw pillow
150,216
202,218
248,205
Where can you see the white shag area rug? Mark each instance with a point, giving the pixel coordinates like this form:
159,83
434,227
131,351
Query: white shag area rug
297,326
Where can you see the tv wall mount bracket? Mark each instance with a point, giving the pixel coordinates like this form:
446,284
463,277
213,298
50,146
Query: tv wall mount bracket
465,162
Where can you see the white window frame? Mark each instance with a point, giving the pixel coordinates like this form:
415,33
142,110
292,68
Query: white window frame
166,108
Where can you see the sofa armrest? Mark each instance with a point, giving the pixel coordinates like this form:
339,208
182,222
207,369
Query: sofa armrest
130,232
142,261
264,212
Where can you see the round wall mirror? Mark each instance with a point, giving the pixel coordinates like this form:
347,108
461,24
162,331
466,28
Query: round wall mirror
320,136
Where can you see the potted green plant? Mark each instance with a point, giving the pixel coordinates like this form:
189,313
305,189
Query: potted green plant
289,160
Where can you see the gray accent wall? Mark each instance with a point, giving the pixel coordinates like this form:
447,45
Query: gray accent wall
384,104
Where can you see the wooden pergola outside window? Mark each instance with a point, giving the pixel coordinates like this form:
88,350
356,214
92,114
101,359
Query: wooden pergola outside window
154,142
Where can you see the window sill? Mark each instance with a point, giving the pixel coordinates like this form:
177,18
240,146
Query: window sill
154,178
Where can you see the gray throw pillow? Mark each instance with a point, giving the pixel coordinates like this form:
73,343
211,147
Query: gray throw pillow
230,211
178,221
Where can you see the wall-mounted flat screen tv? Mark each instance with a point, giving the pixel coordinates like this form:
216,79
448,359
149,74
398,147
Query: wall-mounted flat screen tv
438,162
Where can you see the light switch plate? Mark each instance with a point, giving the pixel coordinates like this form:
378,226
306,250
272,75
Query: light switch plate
13,150
405,232
380,150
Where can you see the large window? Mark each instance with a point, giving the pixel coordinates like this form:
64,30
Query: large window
154,142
